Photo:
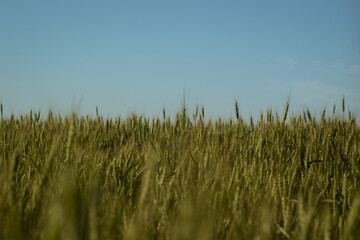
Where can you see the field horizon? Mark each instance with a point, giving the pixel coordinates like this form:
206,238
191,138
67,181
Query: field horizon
336,110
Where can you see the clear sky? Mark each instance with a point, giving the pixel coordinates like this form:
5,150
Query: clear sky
139,56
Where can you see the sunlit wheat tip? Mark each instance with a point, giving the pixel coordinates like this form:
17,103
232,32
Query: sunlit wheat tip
285,112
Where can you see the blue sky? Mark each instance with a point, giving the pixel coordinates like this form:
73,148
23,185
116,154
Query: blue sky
138,56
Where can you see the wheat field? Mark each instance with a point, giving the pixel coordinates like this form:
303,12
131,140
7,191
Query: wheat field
83,177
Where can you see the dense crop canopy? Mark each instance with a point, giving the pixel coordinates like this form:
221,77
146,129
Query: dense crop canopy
78,177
